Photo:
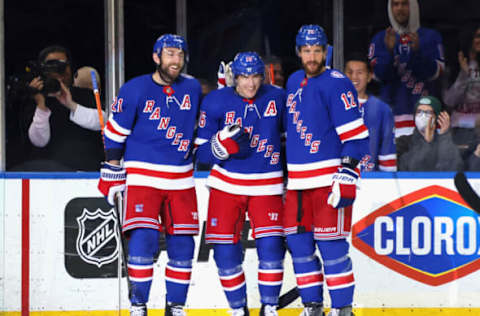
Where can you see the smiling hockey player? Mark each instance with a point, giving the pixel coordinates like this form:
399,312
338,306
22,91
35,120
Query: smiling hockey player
326,138
152,128
239,134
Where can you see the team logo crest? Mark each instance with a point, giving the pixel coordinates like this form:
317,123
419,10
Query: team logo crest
430,235
97,241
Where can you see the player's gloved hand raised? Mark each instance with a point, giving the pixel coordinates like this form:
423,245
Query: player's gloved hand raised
224,75
344,187
112,180
231,140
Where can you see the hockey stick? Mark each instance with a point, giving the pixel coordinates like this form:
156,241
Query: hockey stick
287,298
271,73
118,199
466,191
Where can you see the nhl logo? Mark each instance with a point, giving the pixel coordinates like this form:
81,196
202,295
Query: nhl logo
97,241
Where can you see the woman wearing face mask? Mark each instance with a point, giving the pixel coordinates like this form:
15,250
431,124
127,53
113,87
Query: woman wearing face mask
430,147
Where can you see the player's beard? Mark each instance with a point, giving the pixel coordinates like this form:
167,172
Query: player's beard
312,68
165,75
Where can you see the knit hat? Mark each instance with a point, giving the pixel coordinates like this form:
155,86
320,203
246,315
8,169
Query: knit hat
431,101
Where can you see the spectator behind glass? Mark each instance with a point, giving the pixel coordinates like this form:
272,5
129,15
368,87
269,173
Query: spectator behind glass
405,58
64,126
473,158
274,64
429,149
377,116
463,96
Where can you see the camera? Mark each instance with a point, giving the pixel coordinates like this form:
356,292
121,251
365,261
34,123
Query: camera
18,85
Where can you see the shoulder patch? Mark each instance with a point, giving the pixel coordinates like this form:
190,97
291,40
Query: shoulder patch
336,74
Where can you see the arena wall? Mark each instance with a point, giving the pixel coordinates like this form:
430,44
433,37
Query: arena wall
415,250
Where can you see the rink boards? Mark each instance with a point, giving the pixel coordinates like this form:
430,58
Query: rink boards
415,250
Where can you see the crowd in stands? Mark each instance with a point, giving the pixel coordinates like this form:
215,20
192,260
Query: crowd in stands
414,125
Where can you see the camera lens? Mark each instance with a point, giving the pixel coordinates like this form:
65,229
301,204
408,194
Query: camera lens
50,85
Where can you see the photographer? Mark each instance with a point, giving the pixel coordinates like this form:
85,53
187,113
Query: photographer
64,127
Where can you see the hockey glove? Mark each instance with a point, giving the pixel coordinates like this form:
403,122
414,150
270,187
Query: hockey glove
231,140
224,75
112,180
344,187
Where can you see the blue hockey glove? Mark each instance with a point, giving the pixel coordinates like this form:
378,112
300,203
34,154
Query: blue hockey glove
112,180
344,188
231,140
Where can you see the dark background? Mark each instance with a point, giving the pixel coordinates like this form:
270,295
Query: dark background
216,29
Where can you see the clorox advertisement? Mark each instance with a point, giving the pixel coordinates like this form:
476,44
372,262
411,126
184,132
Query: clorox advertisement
416,243
429,235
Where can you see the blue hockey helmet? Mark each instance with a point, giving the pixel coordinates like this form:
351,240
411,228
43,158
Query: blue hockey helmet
310,34
170,40
248,63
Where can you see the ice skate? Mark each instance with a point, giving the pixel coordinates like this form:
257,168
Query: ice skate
313,309
344,311
268,310
138,310
242,311
172,309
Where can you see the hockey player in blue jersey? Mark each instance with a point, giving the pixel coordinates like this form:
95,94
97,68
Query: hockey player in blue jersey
377,116
406,59
239,132
326,139
151,128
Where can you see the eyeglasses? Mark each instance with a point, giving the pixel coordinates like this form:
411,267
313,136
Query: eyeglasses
426,112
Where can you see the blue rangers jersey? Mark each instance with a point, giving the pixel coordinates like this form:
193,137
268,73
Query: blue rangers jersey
324,125
261,172
152,127
406,74
378,118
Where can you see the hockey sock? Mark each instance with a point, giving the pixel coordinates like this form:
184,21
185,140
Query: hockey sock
338,271
307,267
271,252
228,258
142,247
179,267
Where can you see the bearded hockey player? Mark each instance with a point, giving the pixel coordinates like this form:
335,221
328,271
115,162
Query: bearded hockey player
326,138
239,132
151,128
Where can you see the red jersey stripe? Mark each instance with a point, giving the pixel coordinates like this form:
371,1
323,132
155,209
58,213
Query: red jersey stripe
215,173
401,124
160,174
354,132
388,163
312,173
113,130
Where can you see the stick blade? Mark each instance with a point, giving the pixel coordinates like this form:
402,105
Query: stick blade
466,191
287,298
